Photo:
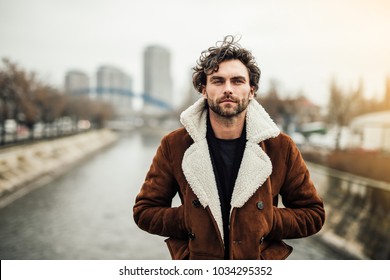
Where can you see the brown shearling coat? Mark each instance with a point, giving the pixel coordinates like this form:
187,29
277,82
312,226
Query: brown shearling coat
271,166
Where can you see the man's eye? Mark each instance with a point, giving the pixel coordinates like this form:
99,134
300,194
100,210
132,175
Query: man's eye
217,82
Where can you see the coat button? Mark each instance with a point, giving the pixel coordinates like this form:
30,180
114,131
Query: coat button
260,205
261,240
191,236
196,203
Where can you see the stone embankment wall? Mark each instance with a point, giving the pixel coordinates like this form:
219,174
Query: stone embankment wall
25,167
358,212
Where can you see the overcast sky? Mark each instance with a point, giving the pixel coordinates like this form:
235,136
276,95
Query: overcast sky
300,44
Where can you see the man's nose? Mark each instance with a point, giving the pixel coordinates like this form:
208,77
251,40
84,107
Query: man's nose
228,88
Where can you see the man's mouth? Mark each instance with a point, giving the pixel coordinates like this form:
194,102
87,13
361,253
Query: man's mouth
228,100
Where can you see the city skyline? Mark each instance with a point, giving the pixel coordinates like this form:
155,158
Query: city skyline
302,45
108,78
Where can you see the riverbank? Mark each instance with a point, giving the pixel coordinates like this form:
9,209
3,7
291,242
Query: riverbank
356,212
25,167
368,164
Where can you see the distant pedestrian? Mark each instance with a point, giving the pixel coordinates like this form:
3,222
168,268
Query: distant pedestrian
229,164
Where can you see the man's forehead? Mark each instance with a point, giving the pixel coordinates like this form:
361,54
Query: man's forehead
230,68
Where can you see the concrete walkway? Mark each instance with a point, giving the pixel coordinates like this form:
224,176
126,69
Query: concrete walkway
25,167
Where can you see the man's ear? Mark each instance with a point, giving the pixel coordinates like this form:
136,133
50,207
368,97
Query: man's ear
252,93
204,93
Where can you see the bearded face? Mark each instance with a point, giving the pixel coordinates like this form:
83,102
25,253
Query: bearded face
228,90
228,106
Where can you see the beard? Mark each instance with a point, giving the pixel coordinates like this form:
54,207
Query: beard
228,110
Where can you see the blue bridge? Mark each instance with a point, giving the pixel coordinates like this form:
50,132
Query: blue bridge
146,97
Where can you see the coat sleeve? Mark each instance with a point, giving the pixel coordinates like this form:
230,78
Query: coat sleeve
152,210
303,213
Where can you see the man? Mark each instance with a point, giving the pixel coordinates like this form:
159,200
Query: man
229,163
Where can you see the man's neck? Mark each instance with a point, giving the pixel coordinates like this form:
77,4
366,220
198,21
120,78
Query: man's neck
227,128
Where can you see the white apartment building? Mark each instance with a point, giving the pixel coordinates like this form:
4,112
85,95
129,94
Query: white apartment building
76,83
116,87
157,75
371,131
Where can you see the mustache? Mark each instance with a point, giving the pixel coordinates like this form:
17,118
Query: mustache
229,98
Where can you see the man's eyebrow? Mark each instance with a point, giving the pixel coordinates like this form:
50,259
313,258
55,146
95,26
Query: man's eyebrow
219,78
216,78
238,78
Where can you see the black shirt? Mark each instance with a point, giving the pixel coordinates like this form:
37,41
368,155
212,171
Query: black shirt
226,156
227,153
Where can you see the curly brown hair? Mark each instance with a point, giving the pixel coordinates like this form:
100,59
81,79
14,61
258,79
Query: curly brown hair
228,49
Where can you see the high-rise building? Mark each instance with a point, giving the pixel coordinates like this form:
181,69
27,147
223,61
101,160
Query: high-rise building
115,87
157,76
76,83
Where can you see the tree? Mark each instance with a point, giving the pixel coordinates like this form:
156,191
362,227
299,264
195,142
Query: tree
18,86
342,107
386,100
272,103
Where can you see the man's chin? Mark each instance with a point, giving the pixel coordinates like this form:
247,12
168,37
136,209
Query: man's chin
228,113
228,107
226,110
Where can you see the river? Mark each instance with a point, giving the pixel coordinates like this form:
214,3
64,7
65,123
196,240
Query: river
87,213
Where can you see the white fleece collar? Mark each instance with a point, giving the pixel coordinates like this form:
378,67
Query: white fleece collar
255,166
259,125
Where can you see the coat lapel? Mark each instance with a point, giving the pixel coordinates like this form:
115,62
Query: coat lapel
196,165
254,170
198,170
256,166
